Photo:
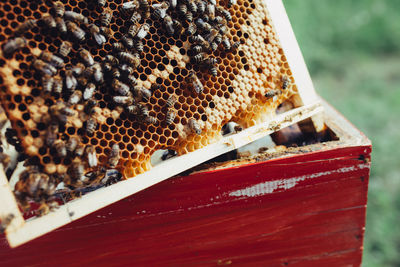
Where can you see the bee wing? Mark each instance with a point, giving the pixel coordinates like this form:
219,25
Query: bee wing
70,82
100,39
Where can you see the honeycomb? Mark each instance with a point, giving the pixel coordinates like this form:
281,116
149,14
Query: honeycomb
241,91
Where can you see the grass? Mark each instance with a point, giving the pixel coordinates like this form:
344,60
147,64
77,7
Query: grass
352,49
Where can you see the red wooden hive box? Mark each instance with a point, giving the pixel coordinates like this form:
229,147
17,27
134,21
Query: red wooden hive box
302,207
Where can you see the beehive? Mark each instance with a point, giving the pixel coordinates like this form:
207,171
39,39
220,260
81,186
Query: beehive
236,94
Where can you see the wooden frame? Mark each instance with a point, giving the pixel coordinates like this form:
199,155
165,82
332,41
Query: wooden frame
308,105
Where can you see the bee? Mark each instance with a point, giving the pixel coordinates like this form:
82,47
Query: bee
65,48
113,158
226,43
101,2
98,37
173,3
142,93
123,100
144,7
132,80
86,56
60,24
133,109
201,24
120,87
213,46
58,85
210,10
170,117
217,20
47,83
118,47
133,30
213,70
171,101
130,5
52,59
169,25
26,26
76,17
91,125
59,8
107,32
168,154
51,134
49,21
5,160
235,45
231,3
272,93
60,147
223,29
76,169
78,69
194,126
44,67
135,18
150,120
143,110
76,31
112,176
177,26
5,222
127,57
199,58
192,6
210,61
13,45
70,80
211,36
71,145
225,13
128,70
89,91
198,39
143,31
128,42
97,175
115,73
98,73
160,10
182,9
194,80
90,104
138,46
91,156
285,82
189,16
107,67
75,97
191,29
201,6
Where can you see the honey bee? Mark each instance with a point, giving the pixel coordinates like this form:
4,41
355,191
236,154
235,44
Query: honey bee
194,126
225,13
76,17
160,10
107,67
144,7
106,17
170,117
113,158
91,156
52,59
98,37
206,27
199,58
75,97
213,70
201,6
133,60
192,6
123,100
210,10
60,148
120,87
226,43
142,93
71,145
78,69
143,110
101,2
285,82
272,93
6,221
135,18
91,125
60,24
168,154
223,29
5,160
169,25
47,83
26,26
218,20
189,16
89,91
79,150
133,109
182,9
76,31
191,29
76,169
127,41
150,119
107,32
65,48
115,73
130,5
177,26
198,39
210,61
118,47
194,80
138,46
132,80
235,45
133,30
70,80
212,35
44,67
86,56
49,21
112,176
98,73
171,101
58,85
173,3
13,45
143,31
90,104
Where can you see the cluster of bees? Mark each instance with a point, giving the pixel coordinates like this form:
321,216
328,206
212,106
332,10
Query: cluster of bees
202,22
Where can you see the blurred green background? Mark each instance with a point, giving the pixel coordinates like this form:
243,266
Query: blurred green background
352,49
